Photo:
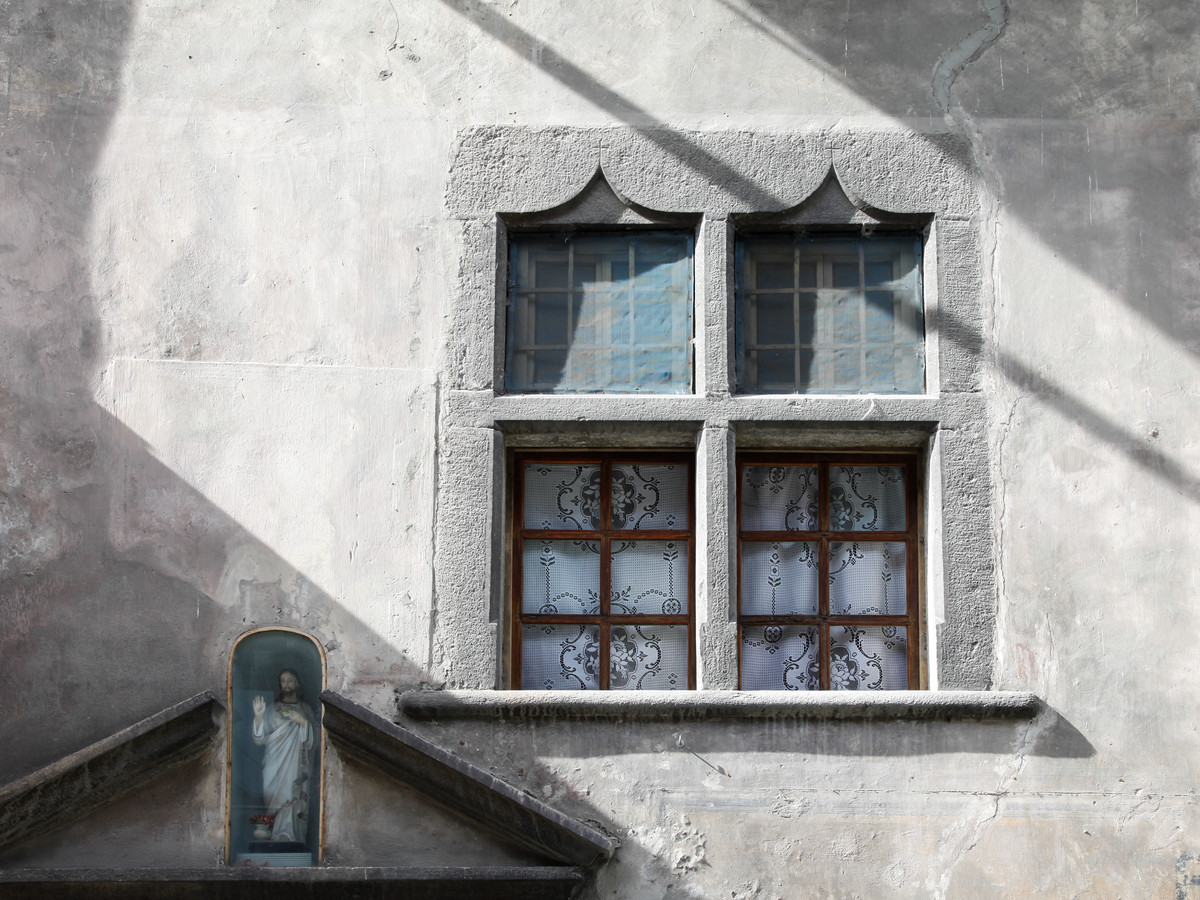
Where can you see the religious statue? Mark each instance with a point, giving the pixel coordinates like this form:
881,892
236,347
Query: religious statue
286,730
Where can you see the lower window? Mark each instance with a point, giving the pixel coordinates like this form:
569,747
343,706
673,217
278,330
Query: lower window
603,562
827,572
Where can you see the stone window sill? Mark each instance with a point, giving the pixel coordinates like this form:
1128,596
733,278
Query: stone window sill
709,705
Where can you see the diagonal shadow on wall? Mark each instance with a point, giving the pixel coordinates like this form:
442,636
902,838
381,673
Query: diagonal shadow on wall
1092,103
110,563
900,86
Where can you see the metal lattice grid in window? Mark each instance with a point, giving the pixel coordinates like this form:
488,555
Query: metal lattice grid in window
600,312
603,572
827,572
829,314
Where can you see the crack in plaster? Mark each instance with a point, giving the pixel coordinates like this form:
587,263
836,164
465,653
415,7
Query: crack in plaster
435,654
1147,805
957,58
952,852
1049,659
1001,513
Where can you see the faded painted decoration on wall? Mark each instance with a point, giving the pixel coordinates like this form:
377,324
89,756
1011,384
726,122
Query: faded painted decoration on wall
275,750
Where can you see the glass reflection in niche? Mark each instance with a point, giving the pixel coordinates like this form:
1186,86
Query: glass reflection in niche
275,754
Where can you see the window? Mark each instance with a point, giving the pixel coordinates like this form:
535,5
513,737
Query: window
894,354
600,312
834,314
603,562
827,572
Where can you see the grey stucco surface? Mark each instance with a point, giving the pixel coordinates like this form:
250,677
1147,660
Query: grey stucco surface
248,285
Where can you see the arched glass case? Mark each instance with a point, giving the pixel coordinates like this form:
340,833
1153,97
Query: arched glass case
275,750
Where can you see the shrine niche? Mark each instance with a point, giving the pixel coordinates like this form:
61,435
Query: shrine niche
275,750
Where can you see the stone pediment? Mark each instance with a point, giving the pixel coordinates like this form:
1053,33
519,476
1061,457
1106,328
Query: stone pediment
411,820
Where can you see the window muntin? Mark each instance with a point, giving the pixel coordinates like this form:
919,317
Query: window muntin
831,314
600,312
603,572
827,572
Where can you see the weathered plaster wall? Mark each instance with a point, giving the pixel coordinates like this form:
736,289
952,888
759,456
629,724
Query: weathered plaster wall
228,261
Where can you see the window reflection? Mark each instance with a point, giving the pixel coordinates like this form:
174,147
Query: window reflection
830,314
600,312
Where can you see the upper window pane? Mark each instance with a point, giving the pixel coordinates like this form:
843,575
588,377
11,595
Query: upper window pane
600,312
830,315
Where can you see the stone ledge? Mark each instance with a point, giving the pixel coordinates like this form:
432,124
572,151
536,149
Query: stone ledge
309,883
704,705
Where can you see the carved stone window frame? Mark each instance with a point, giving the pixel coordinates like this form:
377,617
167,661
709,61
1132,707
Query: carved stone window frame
511,177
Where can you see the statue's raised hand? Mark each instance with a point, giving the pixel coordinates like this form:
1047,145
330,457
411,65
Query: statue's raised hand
260,707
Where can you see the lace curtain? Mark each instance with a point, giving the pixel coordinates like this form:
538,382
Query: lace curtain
781,579
563,576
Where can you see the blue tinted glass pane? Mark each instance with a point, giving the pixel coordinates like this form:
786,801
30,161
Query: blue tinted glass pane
877,272
654,277
856,304
845,275
804,369
652,322
808,320
618,318
613,313
583,274
880,373
775,275
843,319
548,366
845,368
550,319
776,369
551,275
656,251
879,317
654,367
775,319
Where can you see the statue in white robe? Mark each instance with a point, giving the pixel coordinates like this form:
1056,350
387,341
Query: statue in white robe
286,730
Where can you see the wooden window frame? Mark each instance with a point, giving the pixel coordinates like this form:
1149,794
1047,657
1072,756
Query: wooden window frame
823,536
605,619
